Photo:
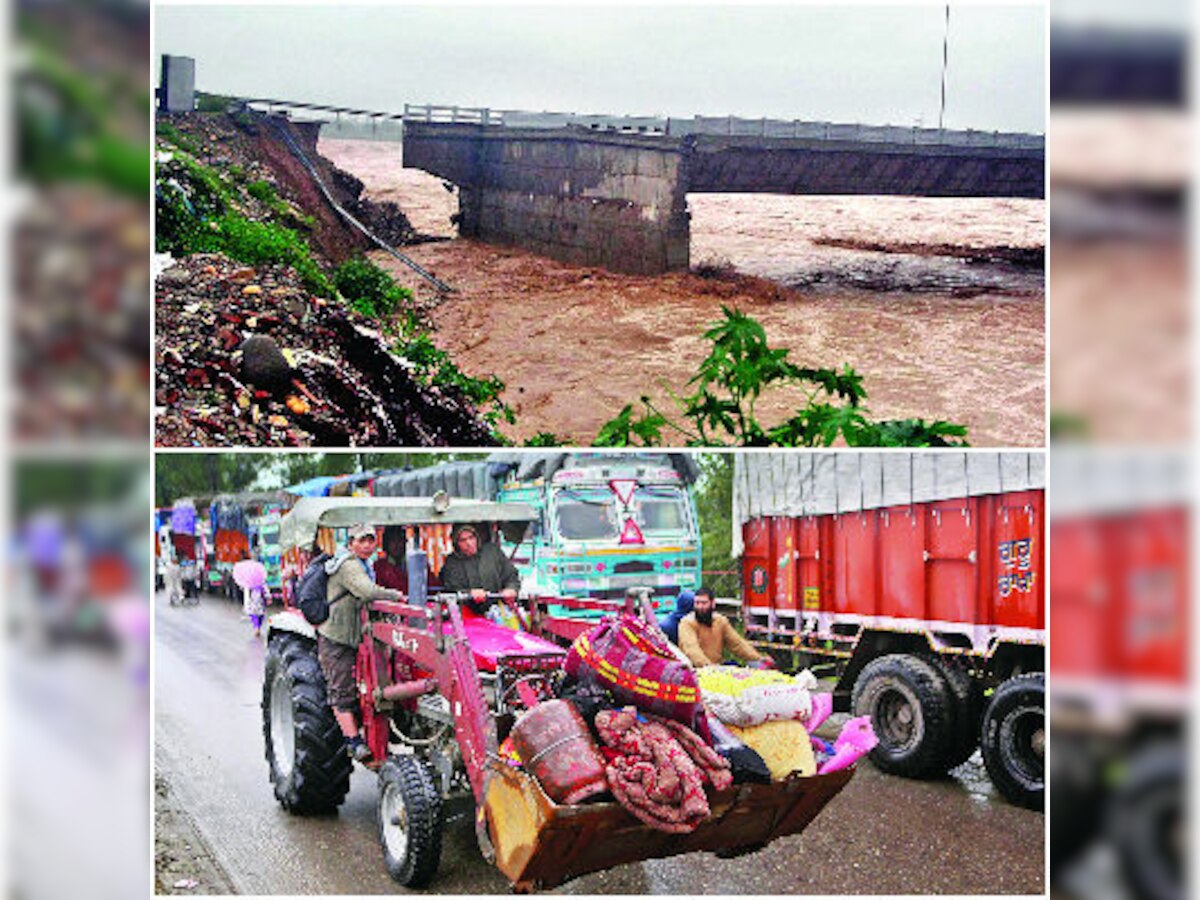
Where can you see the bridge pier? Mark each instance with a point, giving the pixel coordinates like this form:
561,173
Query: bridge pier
611,200
618,199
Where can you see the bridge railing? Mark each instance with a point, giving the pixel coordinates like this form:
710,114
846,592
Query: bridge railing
833,131
467,115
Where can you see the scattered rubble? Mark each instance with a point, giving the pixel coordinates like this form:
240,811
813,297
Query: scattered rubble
317,373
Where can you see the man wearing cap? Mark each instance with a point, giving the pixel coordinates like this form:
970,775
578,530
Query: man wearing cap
478,568
350,586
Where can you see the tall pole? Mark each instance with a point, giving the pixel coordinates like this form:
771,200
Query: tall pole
945,62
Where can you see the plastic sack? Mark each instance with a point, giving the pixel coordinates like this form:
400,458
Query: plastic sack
784,746
745,697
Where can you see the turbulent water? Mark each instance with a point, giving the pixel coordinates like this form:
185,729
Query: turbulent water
938,302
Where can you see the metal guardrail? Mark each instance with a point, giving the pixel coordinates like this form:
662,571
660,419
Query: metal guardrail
466,115
731,126
832,131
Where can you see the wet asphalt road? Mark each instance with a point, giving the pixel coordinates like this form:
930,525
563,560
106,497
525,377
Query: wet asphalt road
881,835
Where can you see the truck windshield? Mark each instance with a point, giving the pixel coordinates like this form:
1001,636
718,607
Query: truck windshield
586,515
661,509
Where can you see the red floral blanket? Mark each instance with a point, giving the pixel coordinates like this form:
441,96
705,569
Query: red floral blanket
657,769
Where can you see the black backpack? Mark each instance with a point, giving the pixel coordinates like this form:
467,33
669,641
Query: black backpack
311,590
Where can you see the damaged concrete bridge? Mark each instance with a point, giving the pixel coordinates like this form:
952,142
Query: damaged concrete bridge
612,191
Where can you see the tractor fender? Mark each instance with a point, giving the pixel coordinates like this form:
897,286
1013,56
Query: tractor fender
290,620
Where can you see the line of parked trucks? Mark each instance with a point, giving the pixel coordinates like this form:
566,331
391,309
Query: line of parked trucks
917,580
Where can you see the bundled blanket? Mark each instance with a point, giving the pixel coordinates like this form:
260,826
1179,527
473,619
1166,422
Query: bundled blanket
657,769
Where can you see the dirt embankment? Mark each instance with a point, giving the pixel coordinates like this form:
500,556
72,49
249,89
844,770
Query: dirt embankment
338,382
939,304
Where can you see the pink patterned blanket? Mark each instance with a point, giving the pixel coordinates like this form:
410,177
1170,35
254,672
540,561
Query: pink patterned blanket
657,769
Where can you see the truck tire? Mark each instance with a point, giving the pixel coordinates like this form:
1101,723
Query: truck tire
1013,740
1078,798
910,709
967,710
304,747
1146,822
410,820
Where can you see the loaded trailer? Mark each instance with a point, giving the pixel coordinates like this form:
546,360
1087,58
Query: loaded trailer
917,580
430,747
1120,523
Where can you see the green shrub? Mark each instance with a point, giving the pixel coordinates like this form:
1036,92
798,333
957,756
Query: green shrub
727,387
261,190
369,289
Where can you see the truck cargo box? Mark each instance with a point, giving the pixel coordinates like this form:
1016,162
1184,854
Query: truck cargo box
945,544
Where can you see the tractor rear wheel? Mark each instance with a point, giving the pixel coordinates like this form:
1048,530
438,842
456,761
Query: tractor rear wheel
1013,740
304,747
410,820
910,708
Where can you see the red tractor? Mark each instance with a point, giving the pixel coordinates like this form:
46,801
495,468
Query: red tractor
428,748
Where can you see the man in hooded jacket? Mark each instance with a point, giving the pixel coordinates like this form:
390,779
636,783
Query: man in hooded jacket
670,622
479,568
350,586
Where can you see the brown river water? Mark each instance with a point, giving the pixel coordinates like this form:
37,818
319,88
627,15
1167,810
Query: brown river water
939,304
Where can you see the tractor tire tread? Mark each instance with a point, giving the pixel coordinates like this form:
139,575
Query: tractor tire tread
320,776
423,806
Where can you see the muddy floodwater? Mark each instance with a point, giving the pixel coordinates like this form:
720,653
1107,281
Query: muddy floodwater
939,304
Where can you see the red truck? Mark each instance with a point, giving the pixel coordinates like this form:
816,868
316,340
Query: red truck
1120,523
918,579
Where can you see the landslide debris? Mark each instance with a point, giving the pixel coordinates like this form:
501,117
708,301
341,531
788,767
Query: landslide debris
269,328
346,388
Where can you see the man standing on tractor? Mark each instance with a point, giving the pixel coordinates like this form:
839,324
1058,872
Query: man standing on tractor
478,568
706,635
351,586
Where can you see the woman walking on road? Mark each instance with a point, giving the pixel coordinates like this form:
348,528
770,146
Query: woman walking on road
251,575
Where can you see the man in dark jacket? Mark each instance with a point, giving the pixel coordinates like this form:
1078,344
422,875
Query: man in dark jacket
480,568
669,623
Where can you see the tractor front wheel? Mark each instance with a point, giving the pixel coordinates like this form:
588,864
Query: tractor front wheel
305,750
410,820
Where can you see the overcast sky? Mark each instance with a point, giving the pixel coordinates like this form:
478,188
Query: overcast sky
845,63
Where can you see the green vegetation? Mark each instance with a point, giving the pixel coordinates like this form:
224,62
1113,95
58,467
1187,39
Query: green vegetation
212,103
732,378
198,212
369,289
204,475
374,293
74,125
169,132
714,501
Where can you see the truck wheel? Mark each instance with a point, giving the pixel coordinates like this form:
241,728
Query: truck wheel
410,820
304,746
910,709
1013,740
967,710
1146,822
1078,797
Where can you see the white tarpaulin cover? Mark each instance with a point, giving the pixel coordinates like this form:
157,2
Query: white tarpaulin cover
1099,481
812,484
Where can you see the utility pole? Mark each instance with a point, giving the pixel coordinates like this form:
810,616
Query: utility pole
945,62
